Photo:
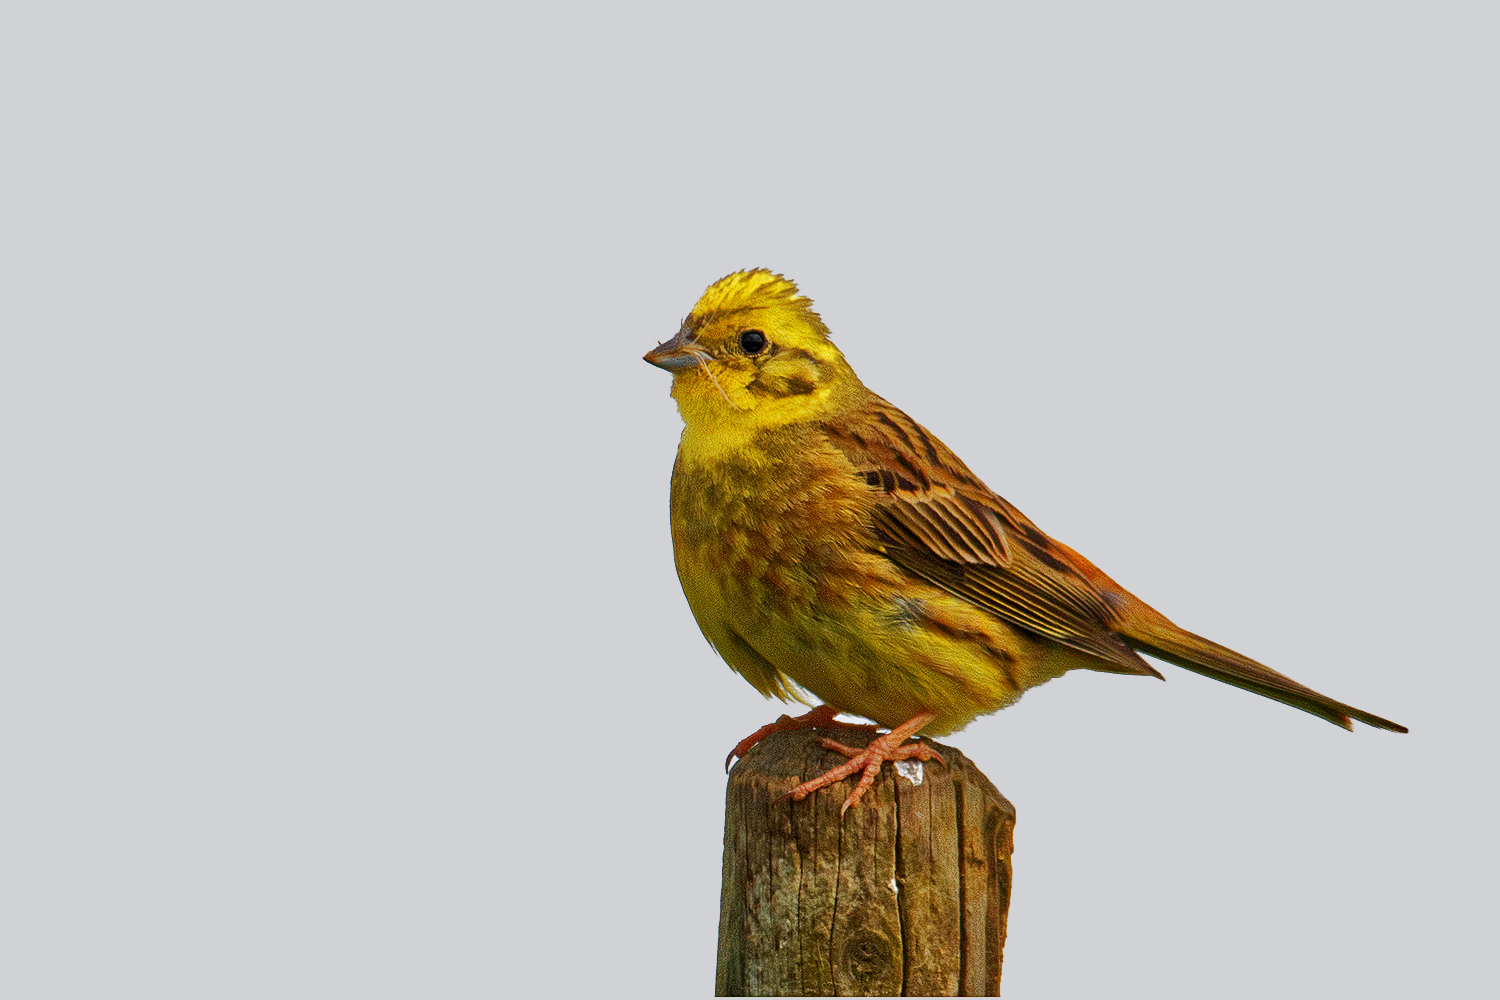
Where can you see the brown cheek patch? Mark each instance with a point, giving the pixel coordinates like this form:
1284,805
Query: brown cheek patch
797,386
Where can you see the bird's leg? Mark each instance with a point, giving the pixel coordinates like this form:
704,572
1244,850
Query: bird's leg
881,749
819,718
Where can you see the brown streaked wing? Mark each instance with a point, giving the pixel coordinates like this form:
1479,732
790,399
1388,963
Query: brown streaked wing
938,521
946,524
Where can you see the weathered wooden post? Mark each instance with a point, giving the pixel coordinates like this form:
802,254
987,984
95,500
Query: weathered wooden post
907,896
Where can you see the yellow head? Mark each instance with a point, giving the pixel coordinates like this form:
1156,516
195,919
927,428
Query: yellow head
753,355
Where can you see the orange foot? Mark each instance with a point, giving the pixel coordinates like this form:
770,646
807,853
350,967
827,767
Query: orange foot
881,749
819,718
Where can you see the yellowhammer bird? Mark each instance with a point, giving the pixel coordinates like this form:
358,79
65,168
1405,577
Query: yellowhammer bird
828,543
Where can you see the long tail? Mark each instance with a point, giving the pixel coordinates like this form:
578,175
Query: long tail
1148,631
1166,641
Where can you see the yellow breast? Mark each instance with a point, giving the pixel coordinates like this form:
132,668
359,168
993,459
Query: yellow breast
780,564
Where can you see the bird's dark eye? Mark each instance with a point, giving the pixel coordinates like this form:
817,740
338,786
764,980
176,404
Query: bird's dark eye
752,342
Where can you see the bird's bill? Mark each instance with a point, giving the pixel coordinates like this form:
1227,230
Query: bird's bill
674,355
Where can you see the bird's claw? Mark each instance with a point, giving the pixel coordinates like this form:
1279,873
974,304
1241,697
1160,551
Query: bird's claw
819,718
867,760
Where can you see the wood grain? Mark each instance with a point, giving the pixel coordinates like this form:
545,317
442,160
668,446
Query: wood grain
907,896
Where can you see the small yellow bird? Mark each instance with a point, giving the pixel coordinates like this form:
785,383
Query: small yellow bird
828,543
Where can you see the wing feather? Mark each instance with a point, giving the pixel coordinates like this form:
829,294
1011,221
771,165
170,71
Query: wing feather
938,521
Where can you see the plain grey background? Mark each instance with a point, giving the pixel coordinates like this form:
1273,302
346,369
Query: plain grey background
342,649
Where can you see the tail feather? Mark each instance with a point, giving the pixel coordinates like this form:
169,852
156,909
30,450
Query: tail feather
1166,641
